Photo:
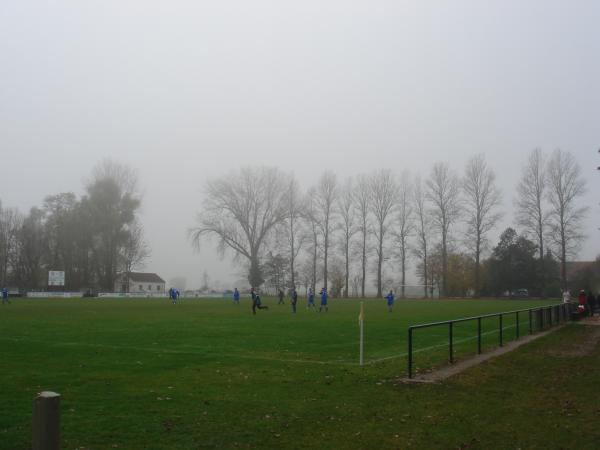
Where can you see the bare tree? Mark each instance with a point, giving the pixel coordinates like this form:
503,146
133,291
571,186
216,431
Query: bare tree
10,223
326,194
566,185
32,243
444,193
312,233
482,199
242,209
291,225
403,225
346,213
111,203
362,196
530,213
135,249
384,192
423,229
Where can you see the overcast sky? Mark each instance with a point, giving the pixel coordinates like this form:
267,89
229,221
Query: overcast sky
184,91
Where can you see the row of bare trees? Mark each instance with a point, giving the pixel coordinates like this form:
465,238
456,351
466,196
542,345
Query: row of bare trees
92,238
347,230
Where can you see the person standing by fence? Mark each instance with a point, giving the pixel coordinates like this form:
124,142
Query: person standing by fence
591,301
236,296
582,299
5,296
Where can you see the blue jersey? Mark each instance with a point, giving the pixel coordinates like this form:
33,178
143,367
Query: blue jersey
390,298
323,297
236,295
4,293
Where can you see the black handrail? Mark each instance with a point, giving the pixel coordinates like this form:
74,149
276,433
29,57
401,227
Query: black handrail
562,312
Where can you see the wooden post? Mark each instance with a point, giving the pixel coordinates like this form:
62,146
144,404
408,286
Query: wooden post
46,421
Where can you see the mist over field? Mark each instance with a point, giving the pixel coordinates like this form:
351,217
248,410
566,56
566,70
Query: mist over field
186,93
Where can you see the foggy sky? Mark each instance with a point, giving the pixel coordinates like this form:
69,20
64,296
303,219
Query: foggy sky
184,91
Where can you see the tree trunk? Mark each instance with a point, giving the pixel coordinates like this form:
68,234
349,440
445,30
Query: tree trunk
255,276
425,271
380,263
325,262
477,256
364,264
403,270
347,268
444,265
293,280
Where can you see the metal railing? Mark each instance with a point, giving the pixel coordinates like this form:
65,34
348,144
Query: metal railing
550,315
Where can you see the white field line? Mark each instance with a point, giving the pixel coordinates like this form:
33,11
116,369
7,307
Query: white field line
241,356
180,352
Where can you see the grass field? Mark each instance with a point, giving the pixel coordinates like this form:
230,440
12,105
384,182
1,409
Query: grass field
145,374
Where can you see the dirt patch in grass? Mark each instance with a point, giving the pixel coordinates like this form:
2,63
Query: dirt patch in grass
581,347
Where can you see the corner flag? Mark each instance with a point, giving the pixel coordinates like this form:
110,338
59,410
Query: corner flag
361,316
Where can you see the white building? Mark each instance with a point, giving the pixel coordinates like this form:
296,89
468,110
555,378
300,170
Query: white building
140,283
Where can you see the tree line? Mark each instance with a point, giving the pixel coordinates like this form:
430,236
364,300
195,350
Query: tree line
338,232
92,238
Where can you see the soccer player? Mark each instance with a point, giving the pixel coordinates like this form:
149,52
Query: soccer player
323,300
390,301
5,296
311,299
280,302
173,293
256,303
294,300
236,296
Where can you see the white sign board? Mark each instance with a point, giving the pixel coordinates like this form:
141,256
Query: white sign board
56,278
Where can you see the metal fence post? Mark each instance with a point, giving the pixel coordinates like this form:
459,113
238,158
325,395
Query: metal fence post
479,335
517,325
410,352
500,329
46,421
450,342
530,322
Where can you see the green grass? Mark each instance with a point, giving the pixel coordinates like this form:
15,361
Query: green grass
145,374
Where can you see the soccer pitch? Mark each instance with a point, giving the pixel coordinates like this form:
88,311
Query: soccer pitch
136,373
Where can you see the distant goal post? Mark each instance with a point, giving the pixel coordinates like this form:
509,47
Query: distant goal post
416,291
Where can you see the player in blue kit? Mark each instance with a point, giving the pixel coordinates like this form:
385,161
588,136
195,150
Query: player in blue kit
390,301
236,296
174,294
5,296
294,296
323,300
311,299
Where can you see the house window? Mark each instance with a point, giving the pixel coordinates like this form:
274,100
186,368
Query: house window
141,287
149,287
158,287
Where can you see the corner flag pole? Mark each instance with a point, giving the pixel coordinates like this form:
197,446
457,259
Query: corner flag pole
361,320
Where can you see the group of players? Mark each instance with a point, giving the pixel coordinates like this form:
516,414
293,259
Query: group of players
257,304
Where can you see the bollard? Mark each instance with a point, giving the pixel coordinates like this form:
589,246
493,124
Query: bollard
46,421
